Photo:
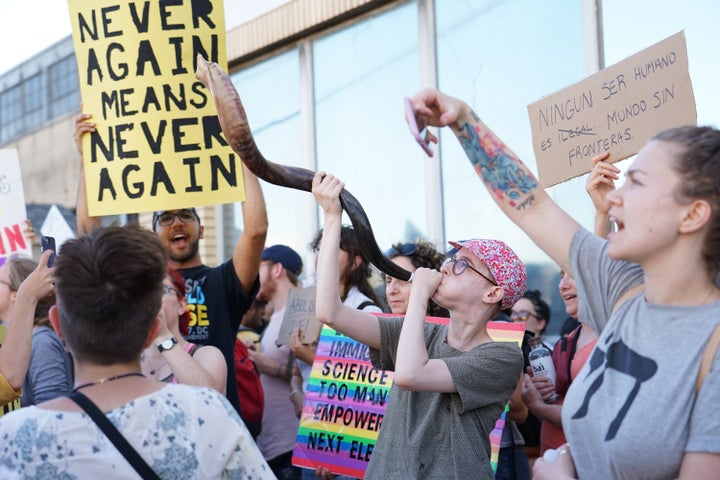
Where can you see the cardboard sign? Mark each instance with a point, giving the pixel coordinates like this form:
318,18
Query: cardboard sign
12,208
158,143
346,399
300,313
616,110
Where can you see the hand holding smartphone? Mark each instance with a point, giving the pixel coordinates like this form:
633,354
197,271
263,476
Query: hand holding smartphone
422,137
48,243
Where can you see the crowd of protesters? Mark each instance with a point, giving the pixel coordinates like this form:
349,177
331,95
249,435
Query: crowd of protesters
106,333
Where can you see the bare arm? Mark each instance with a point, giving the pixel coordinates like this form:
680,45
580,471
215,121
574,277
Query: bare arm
414,370
207,368
354,323
15,352
600,182
85,223
697,465
518,410
546,412
511,184
304,352
249,247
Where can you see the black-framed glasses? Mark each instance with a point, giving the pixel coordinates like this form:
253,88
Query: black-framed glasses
167,218
402,249
460,264
522,315
167,289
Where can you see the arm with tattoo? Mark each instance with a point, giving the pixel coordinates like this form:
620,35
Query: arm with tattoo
510,183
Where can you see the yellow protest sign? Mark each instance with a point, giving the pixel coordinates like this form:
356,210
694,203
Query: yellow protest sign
158,142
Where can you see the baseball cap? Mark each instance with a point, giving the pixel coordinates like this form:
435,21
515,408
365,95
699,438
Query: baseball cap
285,256
504,265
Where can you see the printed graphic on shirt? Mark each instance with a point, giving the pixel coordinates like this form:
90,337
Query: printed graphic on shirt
621,358
199,326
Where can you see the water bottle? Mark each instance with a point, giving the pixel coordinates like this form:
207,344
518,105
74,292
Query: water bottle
541,362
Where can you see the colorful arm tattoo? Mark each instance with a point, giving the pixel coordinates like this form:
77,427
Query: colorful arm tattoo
503,173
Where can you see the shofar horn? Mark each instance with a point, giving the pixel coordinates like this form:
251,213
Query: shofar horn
236,128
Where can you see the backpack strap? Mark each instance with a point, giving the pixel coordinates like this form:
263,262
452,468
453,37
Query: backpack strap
573,347
366,303
707,359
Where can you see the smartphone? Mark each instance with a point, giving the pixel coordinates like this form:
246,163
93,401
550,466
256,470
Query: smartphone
48,243
420,135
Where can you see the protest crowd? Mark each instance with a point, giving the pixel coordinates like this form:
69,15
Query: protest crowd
126,356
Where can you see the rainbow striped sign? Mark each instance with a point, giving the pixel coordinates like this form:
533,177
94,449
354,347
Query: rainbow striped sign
346,398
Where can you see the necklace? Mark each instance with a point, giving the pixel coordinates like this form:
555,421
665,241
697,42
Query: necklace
105,380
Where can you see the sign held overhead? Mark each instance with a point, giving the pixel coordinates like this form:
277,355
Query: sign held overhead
615,110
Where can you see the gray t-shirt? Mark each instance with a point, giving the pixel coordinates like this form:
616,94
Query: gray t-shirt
443,435
50,372
632,411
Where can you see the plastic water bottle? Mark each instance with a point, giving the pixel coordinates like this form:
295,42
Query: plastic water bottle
540,358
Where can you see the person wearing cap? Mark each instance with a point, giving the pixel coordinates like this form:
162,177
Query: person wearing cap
451,382
217,297
280,268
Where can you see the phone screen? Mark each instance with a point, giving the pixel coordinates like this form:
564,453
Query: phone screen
48,243
419,135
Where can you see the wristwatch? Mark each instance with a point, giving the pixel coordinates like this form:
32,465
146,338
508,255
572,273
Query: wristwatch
167,344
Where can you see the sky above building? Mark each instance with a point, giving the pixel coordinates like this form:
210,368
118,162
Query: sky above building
29,27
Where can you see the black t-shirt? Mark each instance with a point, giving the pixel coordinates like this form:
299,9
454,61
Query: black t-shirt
217,303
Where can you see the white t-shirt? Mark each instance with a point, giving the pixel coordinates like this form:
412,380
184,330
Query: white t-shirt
179,430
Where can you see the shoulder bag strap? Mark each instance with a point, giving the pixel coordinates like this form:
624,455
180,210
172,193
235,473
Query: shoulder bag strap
127,451
707,359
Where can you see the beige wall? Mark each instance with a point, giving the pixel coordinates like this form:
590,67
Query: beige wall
49,163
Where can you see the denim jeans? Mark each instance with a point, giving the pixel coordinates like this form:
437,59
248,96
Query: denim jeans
512,464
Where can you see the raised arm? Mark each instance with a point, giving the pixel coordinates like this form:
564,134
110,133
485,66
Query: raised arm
414,370
206,368
600,182
85,223
15,351
352,322
511,184
249,247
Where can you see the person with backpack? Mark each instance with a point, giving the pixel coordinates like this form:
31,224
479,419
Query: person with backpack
569,355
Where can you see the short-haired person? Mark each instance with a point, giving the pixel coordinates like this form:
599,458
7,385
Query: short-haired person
279,271
109,289
633,411
217,297
451,382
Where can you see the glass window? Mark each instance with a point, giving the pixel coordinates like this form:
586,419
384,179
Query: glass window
34,101
270,92
500,57
362,74
63,87
11,113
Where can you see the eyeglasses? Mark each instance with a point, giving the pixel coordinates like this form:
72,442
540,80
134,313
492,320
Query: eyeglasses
167,218
167,289
402,249
460,264
522,315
